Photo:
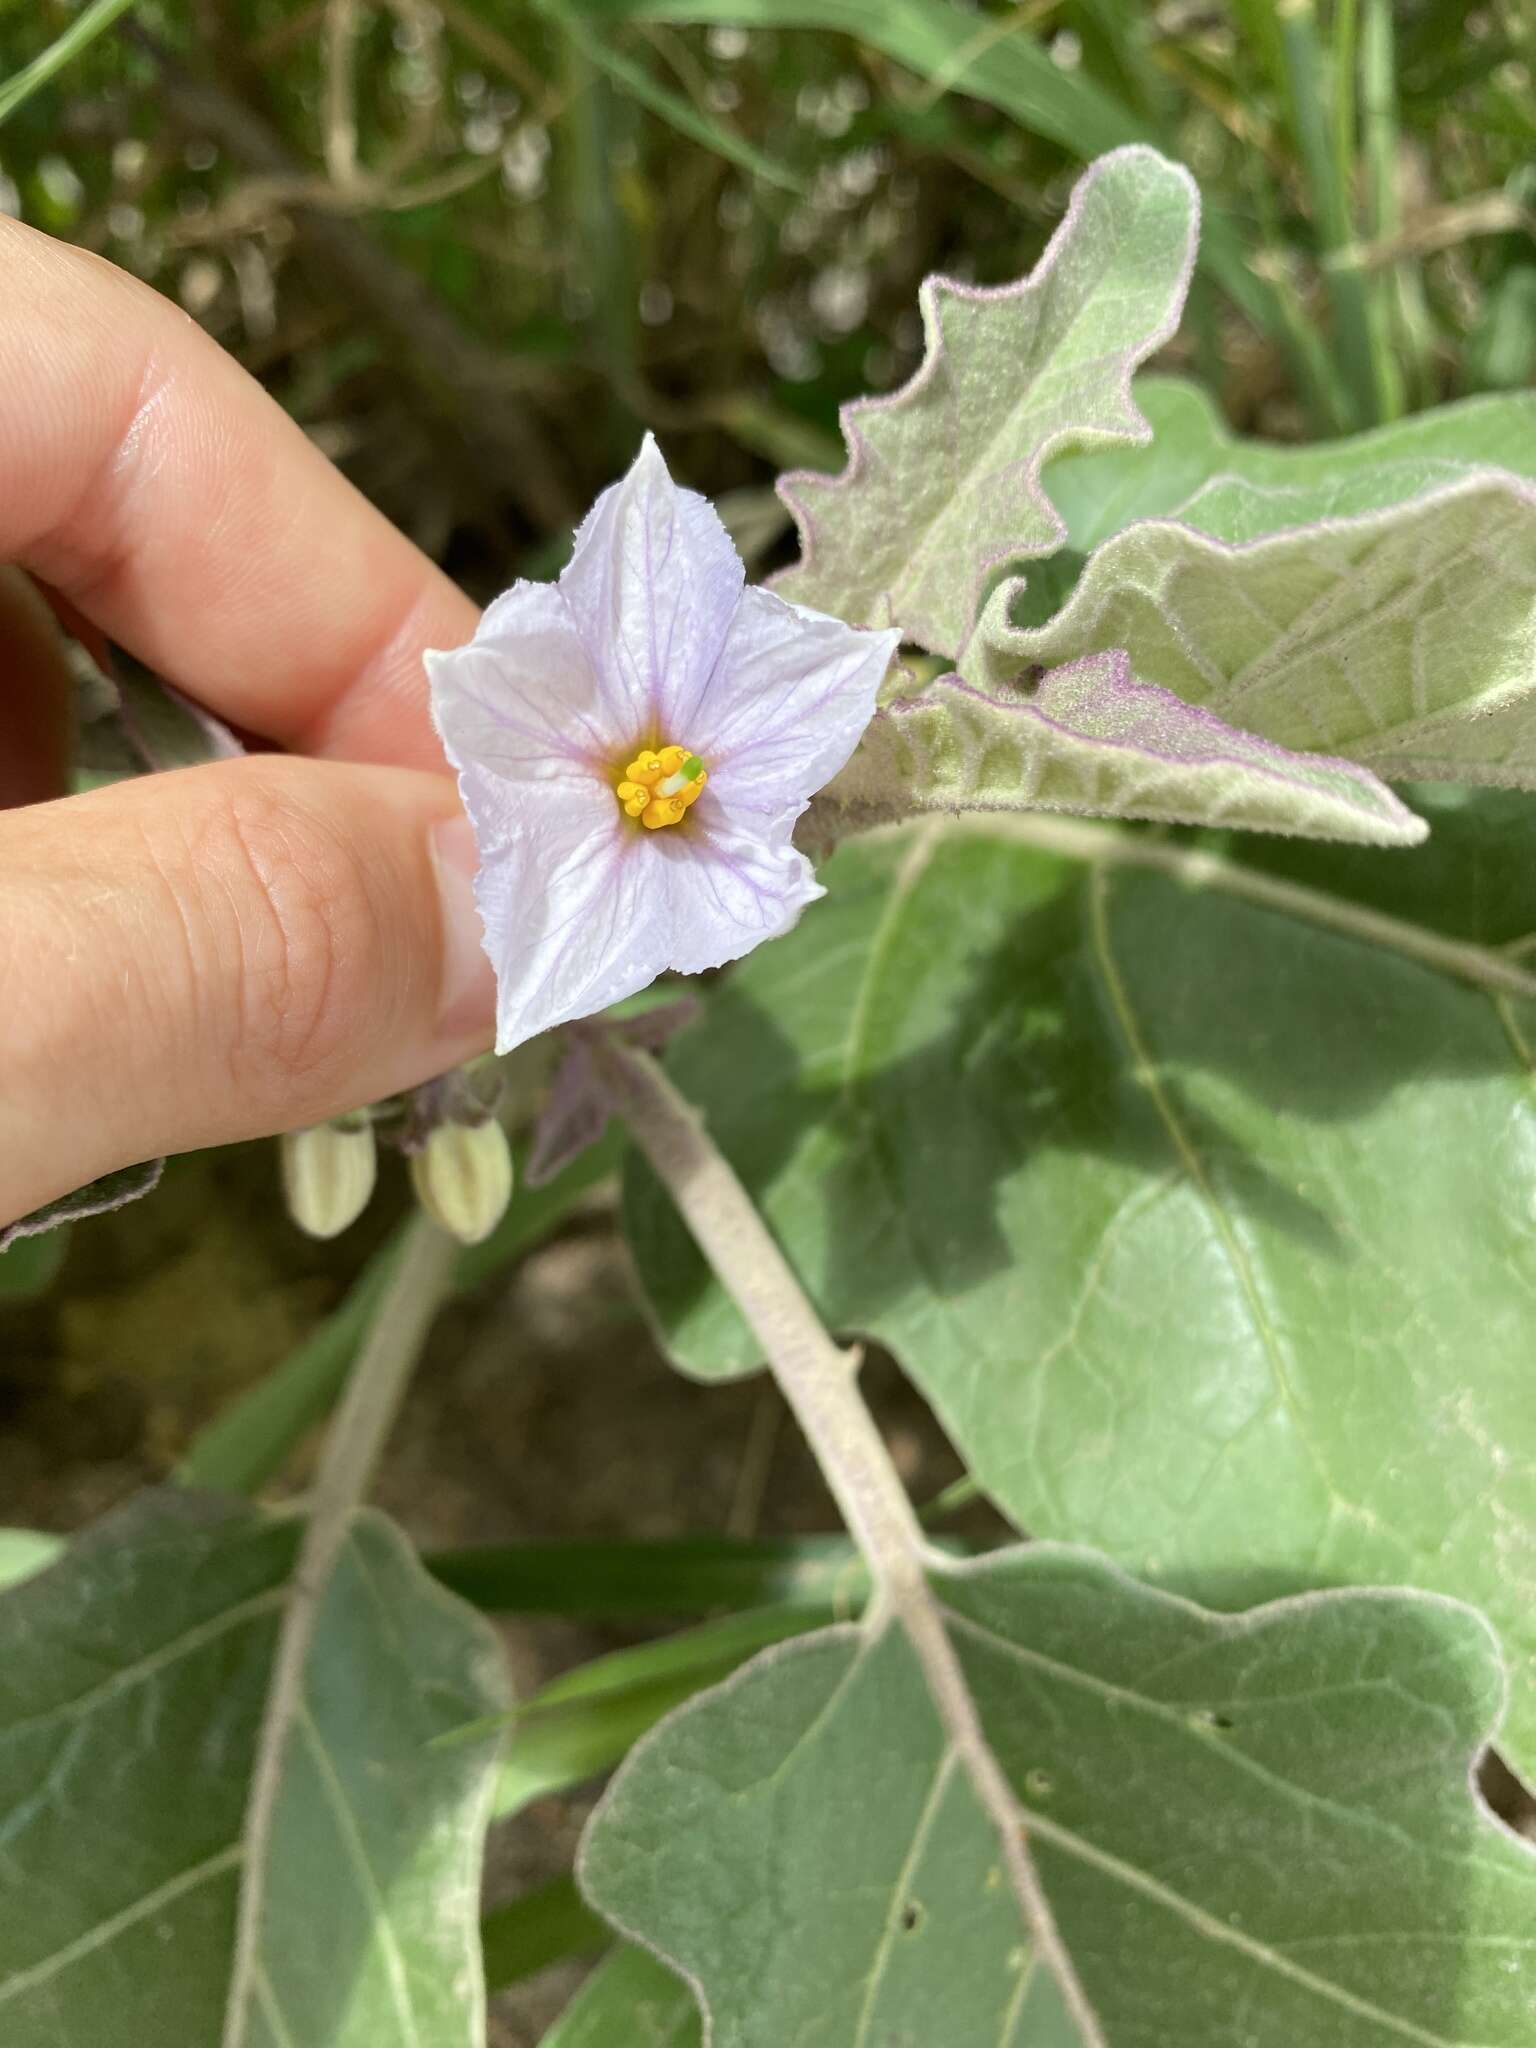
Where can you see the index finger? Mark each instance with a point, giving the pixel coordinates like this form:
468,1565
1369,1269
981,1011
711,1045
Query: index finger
150,479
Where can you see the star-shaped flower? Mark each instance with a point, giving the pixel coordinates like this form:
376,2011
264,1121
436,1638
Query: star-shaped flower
634,744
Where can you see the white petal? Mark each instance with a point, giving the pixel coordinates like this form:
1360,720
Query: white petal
555,893
523,698
652,586
788,703
581,909
716,891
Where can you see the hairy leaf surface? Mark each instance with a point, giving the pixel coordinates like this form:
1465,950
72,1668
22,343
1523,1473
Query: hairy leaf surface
1088,737
1099,491
1256,1828
131,1690
942,485
629,2001
1207,1230
1403,639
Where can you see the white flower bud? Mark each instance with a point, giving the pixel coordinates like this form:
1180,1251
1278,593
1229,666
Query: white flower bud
463,1178
328,1175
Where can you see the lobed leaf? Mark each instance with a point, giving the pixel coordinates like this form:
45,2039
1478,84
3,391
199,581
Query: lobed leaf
1259,1827
1134,1179
131,1691
942,491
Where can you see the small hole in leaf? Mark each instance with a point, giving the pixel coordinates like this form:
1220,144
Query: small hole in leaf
1208,1718
1039,1784
911,1917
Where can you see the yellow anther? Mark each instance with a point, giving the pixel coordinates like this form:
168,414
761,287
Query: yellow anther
663,810
658,786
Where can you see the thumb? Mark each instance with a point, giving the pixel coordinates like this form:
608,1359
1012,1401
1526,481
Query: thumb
225,952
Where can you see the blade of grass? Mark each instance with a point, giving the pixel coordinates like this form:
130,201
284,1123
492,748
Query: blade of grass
582,1724
1314,90
679,113
245,1446
933,40
1015,74
81,33
688,1575
1397,300
541,1927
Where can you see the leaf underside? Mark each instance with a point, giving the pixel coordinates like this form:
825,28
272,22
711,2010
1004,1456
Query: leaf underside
1401,638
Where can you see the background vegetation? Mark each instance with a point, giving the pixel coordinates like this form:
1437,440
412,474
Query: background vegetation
474,247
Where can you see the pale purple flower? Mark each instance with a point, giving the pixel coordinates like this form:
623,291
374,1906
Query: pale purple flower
649,656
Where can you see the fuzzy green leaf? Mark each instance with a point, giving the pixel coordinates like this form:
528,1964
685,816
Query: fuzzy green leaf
1089,737
1258,1828
1400,639
1101,490
941,491
630,2001
131,1691
1205,1228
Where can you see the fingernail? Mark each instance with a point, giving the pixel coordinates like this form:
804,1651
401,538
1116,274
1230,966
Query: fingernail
468,1008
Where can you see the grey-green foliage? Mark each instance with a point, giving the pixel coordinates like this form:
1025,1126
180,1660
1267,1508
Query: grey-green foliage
132,1685
1256,635
1090,737
941,489
1099,491
1400,638
1206,1230
1256,1829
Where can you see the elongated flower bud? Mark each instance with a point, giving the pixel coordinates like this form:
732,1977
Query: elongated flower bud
328,1175
463,1178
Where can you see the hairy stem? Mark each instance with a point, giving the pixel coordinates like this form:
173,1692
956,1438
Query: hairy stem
819,1381
420,1282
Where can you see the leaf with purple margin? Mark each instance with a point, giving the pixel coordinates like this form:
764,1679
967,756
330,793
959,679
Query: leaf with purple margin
1088,737
1402,639
942,485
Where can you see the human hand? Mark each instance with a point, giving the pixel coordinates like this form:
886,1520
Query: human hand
251,946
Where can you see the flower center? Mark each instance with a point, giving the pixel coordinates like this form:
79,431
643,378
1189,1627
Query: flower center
658,788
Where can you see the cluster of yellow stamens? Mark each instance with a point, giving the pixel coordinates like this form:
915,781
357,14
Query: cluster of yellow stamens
657,788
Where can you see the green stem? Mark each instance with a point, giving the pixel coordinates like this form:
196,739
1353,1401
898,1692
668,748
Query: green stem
417,1289
80,34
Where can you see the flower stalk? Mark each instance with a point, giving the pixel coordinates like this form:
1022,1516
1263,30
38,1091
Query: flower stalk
819,1380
